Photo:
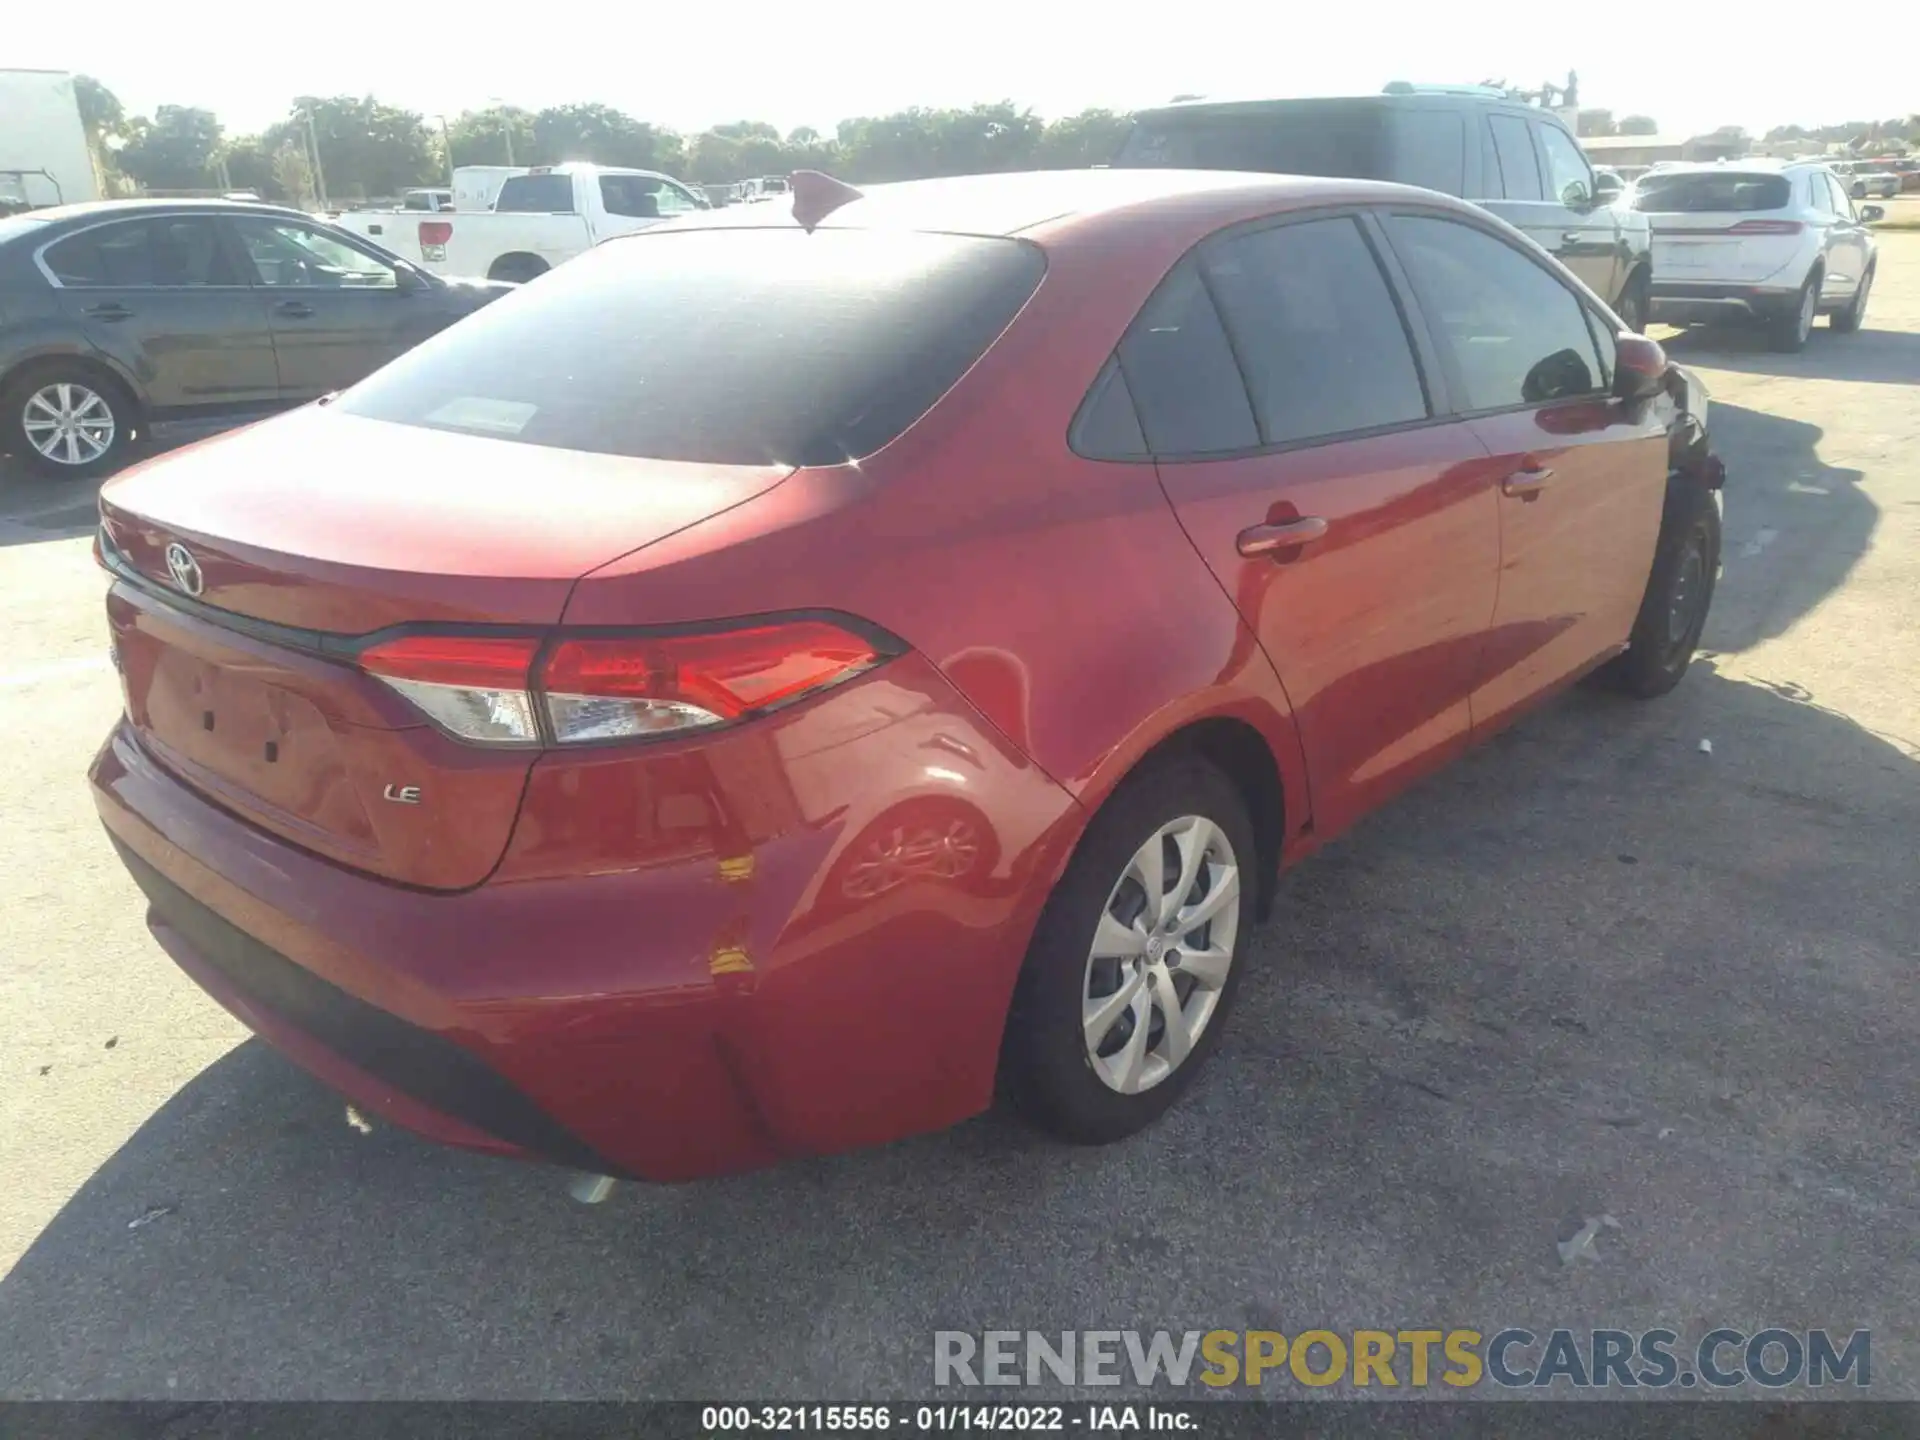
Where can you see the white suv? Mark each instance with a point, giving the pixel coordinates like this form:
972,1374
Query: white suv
1777,242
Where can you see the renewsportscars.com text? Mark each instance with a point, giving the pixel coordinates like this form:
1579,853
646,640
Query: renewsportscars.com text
1770,1357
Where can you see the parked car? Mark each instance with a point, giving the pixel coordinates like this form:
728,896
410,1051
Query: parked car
1516,160
763,187
1777,243
1865,179
125,314
541,218
685,716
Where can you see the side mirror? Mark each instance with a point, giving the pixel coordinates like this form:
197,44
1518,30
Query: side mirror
1639,367
1577,197
1871,213
406,281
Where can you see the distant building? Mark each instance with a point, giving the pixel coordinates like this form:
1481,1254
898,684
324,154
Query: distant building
1636,152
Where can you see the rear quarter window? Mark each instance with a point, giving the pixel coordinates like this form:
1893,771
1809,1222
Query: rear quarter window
1429,149
731,347
1305,139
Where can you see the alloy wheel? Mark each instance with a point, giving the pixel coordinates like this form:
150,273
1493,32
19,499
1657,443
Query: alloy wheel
69,423
1809,304
1161,953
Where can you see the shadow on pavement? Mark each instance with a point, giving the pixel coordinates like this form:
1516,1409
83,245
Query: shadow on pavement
1888,357
1588,970
1810,520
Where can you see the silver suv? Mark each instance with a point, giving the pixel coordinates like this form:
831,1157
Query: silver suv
1779,243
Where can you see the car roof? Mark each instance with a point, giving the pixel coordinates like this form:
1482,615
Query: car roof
1051,205
1426,99
108,209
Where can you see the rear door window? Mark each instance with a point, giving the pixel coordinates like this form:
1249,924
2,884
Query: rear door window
761,346
167,252
1429,149
1517,335
1519,167
1180,370
1316,330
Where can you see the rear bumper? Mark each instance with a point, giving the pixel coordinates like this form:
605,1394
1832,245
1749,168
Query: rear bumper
1710,299
610,1005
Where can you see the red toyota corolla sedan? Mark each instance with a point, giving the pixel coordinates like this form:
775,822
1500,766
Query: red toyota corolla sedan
765,687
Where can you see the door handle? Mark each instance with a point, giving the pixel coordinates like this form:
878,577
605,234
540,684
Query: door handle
108,312
1265,539
1527,482
1570,237
298,309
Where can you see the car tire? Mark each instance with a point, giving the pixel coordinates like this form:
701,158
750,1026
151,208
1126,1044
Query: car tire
1853,314
66,419
517,269
1686,562
1635,302
1090,1082
1787,330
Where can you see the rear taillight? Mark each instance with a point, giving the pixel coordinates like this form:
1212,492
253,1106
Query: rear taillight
474,687
435,232
579,689
1766,227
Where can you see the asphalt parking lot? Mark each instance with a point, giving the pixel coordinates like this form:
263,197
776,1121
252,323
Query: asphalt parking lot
1593,970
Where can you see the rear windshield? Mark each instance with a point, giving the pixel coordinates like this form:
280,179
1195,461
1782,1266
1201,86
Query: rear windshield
732,347
537,195
1695,194
1359,142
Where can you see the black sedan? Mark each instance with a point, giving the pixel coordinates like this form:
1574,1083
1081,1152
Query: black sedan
120,316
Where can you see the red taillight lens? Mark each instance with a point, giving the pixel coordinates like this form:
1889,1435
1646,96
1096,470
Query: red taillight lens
435,232
1766,227
475,687
603,689
481,687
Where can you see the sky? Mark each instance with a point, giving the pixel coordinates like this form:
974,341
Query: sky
1692,66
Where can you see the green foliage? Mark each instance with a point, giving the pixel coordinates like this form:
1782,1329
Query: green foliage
1595,122
366,149
1639,125
499,135
173,151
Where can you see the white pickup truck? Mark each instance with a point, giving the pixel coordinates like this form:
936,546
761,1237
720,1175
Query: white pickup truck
549,214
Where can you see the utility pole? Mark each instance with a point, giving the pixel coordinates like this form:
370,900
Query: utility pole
319,174
506,124
446,138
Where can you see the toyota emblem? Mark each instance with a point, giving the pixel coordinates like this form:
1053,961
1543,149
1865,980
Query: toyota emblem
184,569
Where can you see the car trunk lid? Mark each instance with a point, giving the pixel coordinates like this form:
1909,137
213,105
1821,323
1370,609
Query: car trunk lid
248,571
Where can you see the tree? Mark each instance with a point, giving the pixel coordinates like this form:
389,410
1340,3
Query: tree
1594,122
173,151
251,166
104,119
1093,137
499,135
366,149
1638,125
604,135
293,176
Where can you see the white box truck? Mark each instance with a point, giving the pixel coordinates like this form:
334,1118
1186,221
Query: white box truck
44,159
